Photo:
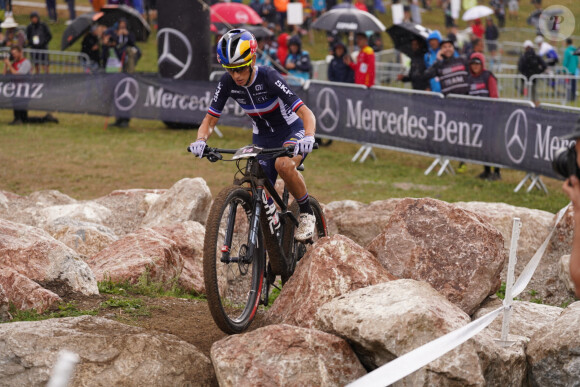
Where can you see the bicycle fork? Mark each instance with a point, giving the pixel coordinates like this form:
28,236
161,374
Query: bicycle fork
246,252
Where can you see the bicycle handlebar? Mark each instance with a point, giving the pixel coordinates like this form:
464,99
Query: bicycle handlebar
215,154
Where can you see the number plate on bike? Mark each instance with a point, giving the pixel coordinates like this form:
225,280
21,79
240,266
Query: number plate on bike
247,152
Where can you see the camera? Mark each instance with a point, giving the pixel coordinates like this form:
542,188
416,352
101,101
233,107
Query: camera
564,162
4,55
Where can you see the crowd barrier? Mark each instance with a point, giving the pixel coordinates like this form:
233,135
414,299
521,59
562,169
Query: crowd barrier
58,62
502,132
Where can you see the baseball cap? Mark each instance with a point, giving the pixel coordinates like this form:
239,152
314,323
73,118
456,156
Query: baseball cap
528,43
575,132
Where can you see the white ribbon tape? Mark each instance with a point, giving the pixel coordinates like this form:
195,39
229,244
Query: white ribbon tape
419,357
410,362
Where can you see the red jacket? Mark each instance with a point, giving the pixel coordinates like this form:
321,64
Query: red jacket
364,68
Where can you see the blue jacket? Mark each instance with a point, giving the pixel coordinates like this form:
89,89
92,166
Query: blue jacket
431,58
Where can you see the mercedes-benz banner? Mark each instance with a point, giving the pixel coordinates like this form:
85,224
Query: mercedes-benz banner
481,130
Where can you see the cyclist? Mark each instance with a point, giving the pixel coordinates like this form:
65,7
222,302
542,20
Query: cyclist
279,117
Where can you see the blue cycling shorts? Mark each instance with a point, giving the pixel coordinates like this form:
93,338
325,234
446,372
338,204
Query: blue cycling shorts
290,136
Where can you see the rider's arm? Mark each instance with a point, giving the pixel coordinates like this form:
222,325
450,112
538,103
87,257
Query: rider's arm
308,120
206,128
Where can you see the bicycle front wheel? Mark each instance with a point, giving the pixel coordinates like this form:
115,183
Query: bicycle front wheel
233,269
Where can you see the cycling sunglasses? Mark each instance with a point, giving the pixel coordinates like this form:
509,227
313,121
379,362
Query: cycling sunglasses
239,69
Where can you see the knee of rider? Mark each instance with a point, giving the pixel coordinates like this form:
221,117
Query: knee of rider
284,166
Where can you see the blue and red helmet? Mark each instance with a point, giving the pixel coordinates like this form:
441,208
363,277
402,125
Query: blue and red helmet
236,48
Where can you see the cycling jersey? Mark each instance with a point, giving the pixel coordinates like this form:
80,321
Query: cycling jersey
268,100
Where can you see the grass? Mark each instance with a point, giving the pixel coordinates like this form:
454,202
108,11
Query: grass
146,287
69,309
83,160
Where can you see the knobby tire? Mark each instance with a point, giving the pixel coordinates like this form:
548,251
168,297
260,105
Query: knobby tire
233,289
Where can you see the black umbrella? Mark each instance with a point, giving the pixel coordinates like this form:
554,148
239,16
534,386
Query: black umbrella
348,19
78,28
258,31
135,22
403,34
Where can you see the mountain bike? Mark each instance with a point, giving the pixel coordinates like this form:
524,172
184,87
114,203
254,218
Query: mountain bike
248,240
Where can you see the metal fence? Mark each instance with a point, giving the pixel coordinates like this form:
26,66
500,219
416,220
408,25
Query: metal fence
56,62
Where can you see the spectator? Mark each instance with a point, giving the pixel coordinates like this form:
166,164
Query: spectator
22,66
482,83
91,46
531,64
514,9
452,70
491,37
126,47
268,12
319,6
297,62
417,69
477,29
499,11
71,11
360,4
51,10
262,54
364,68
38,35
281,9
547,52
434,40
571,64
446,5
256,5
14,36
338,70
282,51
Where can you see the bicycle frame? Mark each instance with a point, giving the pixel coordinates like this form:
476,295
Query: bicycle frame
258,182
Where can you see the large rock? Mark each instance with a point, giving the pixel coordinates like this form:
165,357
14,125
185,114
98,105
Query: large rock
3,201
24,293
34,253
188,199
284,355
333,266
88,211
501,366
536,226
112,354
360,222
526,317
48,198
554,351
144,253
83,237
129,208
454,250
385,321
188,236
26,209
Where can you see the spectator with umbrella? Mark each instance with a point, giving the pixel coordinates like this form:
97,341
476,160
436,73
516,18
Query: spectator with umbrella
415,75
91,46
364,68
338,69
38,35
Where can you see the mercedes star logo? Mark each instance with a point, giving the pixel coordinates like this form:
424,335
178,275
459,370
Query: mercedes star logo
126,94
516,136
173,50
328,108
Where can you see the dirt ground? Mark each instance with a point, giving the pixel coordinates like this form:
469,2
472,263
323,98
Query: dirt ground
190,320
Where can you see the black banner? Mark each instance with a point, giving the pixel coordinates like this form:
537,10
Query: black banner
479,130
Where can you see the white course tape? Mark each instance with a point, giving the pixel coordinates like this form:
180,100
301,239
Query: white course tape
410,362
526,275
419,357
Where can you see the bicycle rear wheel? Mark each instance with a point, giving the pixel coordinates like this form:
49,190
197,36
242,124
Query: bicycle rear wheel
295,250
233,276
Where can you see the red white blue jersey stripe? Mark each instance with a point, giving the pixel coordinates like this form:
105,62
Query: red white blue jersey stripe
268,100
